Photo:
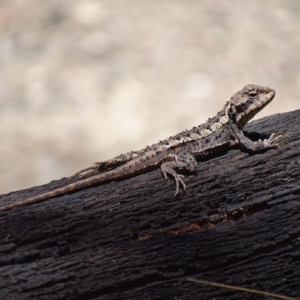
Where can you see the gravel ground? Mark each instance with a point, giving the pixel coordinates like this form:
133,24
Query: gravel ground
83,81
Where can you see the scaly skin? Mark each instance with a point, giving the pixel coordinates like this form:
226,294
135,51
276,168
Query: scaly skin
179,154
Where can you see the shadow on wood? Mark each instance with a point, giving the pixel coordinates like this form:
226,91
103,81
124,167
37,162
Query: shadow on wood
238,223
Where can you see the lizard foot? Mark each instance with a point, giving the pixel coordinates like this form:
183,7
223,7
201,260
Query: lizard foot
184,162
177,177
113,163
269,143
83,173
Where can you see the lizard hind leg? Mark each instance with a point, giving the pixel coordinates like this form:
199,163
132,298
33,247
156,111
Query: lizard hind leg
103,166
184,162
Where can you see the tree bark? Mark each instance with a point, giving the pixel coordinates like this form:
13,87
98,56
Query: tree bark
238,223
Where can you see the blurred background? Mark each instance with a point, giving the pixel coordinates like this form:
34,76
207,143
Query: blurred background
83,81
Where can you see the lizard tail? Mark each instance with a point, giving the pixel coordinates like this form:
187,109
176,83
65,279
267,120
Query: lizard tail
128,170
72,187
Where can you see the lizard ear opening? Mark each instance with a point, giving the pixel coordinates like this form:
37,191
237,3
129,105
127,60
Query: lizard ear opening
232,111
232,108
236,111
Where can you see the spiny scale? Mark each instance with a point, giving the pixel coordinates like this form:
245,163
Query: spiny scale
178,154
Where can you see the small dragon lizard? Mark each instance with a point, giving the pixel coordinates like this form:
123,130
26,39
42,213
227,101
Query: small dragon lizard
178,155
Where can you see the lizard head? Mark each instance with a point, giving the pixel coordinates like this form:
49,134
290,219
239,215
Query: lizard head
246,103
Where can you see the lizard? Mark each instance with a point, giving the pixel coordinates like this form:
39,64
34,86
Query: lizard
178,155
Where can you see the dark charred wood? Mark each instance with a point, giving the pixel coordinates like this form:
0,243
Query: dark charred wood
238,223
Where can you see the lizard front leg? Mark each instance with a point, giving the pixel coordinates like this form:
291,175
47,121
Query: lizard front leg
254,147
183,162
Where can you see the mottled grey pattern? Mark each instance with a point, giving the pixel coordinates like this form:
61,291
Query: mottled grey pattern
178,155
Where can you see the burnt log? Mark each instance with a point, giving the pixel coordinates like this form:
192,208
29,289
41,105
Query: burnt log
238,223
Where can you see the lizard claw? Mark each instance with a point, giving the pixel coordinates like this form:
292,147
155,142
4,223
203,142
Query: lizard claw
177,177
165,176
269,143
179,180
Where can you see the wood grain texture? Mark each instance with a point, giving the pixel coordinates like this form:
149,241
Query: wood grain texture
238,223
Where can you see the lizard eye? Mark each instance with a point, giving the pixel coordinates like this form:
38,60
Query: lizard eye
252,95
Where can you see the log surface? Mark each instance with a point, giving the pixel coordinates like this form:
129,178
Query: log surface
238,223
